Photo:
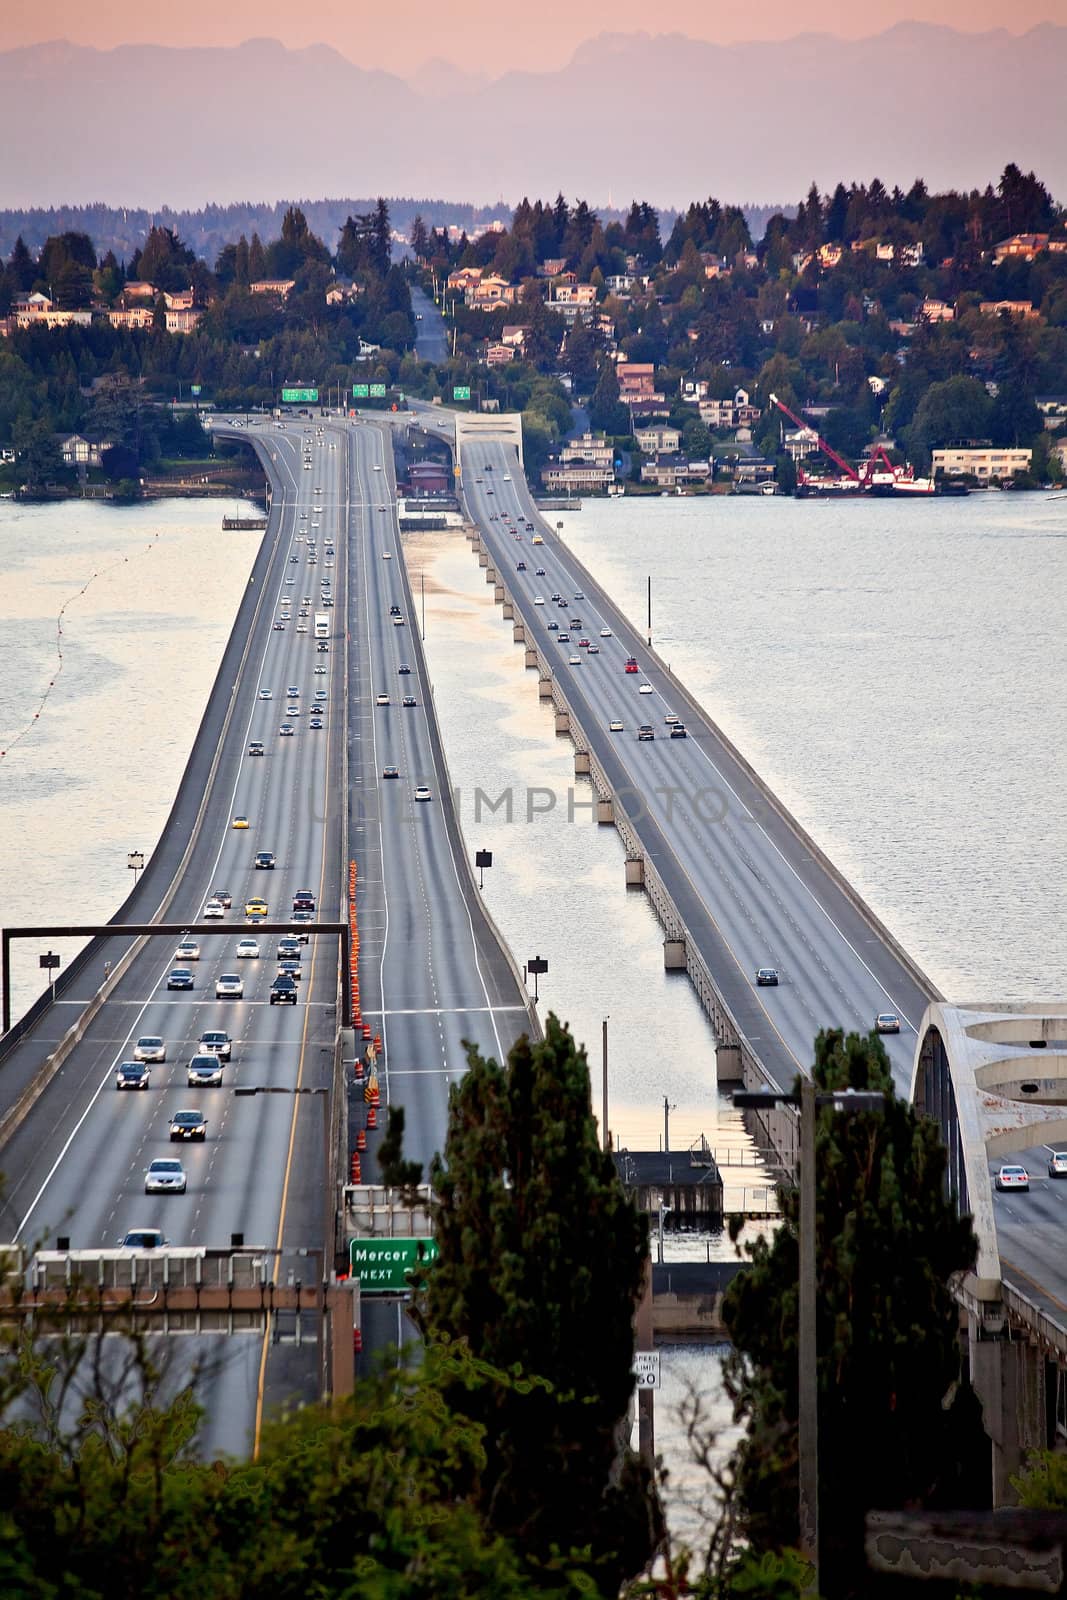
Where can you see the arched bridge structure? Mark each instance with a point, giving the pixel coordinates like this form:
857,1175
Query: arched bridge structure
995,1079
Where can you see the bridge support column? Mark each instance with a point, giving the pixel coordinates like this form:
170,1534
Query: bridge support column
635,872
563,721
581,763
544,689
605,811
531,656
728,1063
674,955
1009,1378
483,556
498,594
509,609
518,633
490,575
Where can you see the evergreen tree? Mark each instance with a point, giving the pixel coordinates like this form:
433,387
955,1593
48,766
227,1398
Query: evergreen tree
607,414
419,239
888,1243
21,265
542,1258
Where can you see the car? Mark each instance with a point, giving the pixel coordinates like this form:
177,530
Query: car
132,1075
247,949
150,1047
645,688
605,633
387,555
215,1041
303,900
320,694
320,671
394,611
301,627
188,950
553,626
678,731
303,916
767,977
410,700
670,717
204,1072
223,896
292,693
255,907
575,661
1057,1164
165,1177
522,568
615,726
188,1125
256,748
887,1022
315,723
279,627
288,945
563,638
283,991
583,644
646,732
180,978
1012,1177
264,860
422,792
398,622
540,572
290,966
631,664
143,1239
390,772
265,694
322,647
293,560
578,595
594,649
539,599
229,986
381,700
537,539
240,822
577,624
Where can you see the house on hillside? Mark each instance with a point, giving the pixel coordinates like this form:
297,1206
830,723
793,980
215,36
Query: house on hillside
1020,247
83,449
282,287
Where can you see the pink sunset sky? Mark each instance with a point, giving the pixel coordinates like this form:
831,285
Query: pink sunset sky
483,36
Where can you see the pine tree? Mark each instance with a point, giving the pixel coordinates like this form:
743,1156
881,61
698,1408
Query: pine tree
542,1258
888,1243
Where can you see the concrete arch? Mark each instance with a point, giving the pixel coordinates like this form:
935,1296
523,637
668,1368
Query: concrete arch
496,428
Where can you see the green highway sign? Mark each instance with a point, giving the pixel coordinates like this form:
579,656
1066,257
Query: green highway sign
297,397
360,391
194,388
381,1265
377,391
461,392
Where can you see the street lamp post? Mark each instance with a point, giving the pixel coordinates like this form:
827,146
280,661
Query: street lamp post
537,965
135,862
847,1100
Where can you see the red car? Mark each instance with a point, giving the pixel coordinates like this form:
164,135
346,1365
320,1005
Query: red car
631,664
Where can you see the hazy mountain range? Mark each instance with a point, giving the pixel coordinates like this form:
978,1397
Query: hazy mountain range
662,117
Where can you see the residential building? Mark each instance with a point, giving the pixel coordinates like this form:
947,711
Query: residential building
429,477
139,289
585,465
26,306
83,449
1010,308
513,334
657,441
572,294
498,355
830,255
912,255
620,283
181,300
132,317
637,381
674,471
490,293
936,311
800,442
737,412
464,278
1053,407
753,472
183,321
282,287
552,267
714,266
983,461
1020,247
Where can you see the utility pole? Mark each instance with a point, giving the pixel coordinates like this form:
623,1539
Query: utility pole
667,1109
807,1342
605,1137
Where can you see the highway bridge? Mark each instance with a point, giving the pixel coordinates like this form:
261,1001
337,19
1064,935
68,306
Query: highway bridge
76,1150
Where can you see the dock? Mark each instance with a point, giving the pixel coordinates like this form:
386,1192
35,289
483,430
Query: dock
242,524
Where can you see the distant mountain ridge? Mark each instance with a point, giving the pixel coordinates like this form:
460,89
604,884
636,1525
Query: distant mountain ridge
663,117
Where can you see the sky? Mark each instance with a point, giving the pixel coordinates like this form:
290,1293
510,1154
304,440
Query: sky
481,35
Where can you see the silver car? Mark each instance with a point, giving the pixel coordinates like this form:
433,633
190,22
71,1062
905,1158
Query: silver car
165,1176
150,1047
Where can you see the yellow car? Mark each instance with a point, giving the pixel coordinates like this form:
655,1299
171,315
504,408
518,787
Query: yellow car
537,539
240,822
256,908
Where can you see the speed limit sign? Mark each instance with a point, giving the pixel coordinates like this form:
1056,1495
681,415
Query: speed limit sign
646,1368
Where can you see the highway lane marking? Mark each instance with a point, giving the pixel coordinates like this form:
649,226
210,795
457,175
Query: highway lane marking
441,1011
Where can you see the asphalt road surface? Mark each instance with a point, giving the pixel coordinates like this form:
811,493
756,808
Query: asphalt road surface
431,334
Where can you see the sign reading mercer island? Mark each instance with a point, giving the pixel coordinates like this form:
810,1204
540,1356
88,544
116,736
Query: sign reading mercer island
297,397
382,1265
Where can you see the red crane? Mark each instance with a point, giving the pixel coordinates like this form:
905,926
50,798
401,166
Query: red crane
850,472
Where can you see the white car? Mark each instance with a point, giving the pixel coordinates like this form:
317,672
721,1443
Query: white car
248,949
229,986
615,726
398,622
387,555
381,700
539,600
214,910
645,688
165,1176
188,950
150,1047
422,792
605,633
265,694
1010,1177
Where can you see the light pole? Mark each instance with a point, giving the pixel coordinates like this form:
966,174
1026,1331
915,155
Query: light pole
667,1109
847,1100
536,965
605,1136
135,862
664,1209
